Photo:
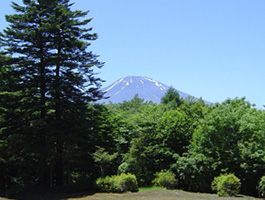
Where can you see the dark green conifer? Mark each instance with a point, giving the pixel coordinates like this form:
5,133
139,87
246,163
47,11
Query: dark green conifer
48,45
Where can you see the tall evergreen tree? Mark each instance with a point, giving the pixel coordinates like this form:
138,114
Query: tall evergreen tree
48,44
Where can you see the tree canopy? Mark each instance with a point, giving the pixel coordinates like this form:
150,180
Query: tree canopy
171,98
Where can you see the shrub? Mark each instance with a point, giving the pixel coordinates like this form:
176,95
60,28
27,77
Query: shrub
226,185
121,183
165,179
104,184
262,186
130,182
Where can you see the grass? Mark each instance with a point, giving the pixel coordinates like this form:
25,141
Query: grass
150,188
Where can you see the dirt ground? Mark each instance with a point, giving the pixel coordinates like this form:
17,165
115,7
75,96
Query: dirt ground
142,195
161,195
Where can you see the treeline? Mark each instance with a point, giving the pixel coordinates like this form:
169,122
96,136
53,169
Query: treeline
194,140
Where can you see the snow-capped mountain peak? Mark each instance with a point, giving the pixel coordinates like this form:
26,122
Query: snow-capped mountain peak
126,88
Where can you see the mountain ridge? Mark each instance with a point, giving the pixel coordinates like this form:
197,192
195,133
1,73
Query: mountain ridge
125,88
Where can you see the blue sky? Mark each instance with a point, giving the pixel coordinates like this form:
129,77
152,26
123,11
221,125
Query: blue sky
214,49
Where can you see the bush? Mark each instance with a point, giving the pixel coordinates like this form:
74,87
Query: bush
104,184
130,182
262,186
226,185
165,179
121,183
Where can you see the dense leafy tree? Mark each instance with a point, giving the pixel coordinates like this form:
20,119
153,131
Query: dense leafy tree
218,135
252,151
227,137
127,119
193,171
136,138
134,105
153,135
196,141
103,159
176,129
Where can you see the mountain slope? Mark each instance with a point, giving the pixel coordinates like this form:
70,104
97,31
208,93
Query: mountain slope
126,88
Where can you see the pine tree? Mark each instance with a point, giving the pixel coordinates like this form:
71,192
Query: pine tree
48,44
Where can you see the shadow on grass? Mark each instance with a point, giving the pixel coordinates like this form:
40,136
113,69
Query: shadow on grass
59,193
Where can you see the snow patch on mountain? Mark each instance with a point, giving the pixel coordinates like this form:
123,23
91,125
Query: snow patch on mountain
126,88
116,83
156,83
147,88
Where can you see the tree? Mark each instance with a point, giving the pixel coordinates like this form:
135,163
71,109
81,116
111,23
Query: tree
231,137
171,98
103,159
4,96
48,45
146,153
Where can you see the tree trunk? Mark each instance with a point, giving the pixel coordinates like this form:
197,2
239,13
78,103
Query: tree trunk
59,136
59,164
44,178
102,171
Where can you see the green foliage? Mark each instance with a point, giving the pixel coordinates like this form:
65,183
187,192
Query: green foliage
104,184
119,184
123,168
228,137
226,185
193,172
176,130
171,98
134,105
262,186
103,159
165,179
46,85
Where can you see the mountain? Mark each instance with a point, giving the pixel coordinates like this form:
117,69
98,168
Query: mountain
126,88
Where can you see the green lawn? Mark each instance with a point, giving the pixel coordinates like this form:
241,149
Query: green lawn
150,188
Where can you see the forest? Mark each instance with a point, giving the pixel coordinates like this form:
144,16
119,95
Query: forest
54,134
